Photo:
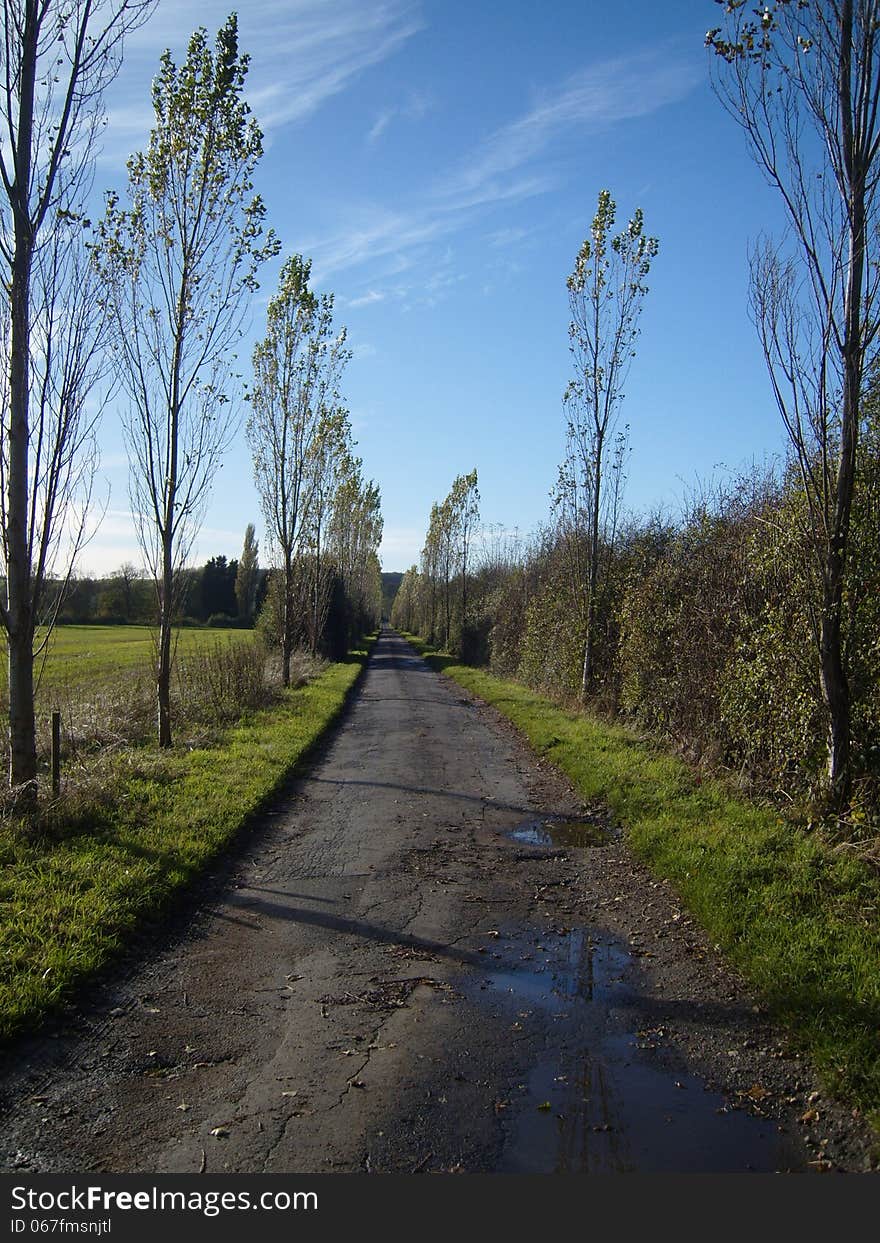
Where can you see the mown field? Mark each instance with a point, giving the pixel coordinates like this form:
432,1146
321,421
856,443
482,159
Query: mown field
101,679
77,655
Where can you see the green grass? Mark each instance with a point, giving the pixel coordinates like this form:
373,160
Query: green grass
81,654
798,918
69,902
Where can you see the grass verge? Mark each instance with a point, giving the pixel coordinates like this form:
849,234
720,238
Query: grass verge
797,917
69,901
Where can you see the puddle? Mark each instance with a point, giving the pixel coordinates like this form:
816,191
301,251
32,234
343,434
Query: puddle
559,832
600,1099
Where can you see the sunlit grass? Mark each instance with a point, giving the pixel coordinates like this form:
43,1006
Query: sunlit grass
81,654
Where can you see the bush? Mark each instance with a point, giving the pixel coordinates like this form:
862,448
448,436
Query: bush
222,680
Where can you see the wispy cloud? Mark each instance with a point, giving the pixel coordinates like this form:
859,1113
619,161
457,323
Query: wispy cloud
506,237
368,299
594,98
515,162
303,52
415,107
379,126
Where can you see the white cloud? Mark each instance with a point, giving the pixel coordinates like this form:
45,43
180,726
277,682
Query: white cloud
594,98
379,126
506,237
413,109
303,52
514,162
401,547
368,299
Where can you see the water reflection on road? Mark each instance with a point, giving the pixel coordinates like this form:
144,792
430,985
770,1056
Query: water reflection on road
602,1097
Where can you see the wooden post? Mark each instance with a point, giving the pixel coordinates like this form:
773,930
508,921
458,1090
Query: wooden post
56,754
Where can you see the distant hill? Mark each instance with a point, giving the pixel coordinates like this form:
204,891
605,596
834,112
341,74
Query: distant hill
390,587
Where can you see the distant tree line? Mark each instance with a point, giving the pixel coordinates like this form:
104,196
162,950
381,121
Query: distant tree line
434,600
207,595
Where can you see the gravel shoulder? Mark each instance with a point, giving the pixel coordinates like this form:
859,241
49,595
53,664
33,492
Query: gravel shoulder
384,980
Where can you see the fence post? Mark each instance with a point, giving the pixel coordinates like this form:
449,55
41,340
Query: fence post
56,754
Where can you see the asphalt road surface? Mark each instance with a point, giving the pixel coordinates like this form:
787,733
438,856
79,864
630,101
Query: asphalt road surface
409,968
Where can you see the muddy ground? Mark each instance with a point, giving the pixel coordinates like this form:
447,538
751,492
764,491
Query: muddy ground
409,967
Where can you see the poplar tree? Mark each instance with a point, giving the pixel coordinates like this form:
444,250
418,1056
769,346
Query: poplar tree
247,575
295,432
181,261
606,291
57,60
802,79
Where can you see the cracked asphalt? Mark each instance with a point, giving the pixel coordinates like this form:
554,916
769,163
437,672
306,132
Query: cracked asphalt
382,979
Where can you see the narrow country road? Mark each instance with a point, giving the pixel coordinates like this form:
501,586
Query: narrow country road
399,973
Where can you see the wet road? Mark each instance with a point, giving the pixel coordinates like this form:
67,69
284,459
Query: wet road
401,975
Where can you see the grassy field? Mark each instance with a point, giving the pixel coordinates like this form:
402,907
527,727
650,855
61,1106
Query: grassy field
101,679
135,833
795,914
77,655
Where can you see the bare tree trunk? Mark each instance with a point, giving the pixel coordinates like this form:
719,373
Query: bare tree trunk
163,680
315,595
446,612
22,730
835,686
588,673
163,672
287,621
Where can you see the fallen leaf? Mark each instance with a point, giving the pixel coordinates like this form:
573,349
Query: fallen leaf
756,1093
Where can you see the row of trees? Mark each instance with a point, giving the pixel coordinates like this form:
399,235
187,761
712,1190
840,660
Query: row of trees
324,517
147,306
222,591
768,588
434,600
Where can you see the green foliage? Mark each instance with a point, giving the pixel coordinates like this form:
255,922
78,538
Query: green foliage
443,605
247,576
553,640
679,623
769,697
706,629
324,519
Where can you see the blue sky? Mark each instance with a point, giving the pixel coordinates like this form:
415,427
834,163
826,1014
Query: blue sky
440,162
